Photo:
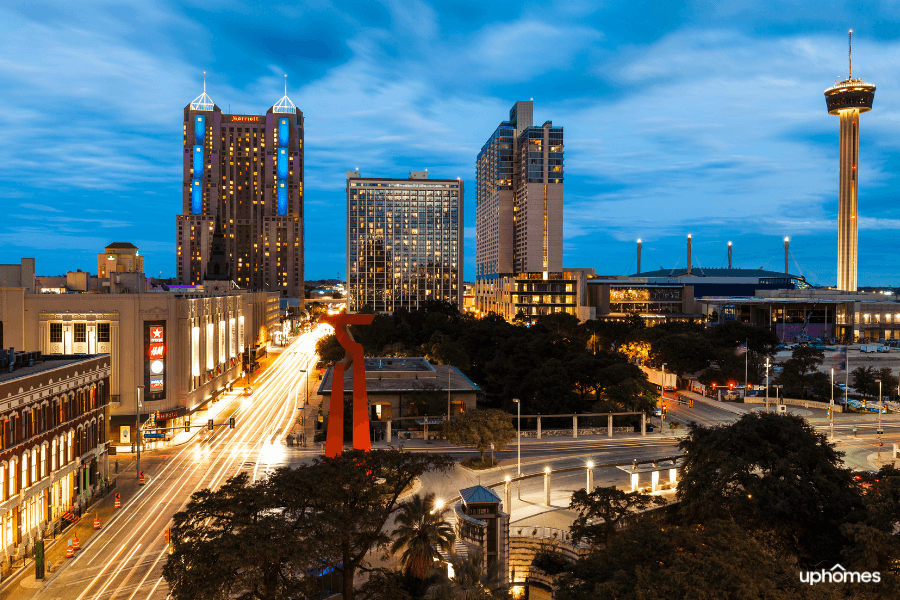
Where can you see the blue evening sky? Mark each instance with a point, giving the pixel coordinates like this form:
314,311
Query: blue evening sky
680,117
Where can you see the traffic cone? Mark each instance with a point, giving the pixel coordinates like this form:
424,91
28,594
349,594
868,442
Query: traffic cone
97,522
69,552
75,544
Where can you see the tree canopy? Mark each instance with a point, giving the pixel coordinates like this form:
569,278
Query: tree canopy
774,475
273,538
555,364
481,428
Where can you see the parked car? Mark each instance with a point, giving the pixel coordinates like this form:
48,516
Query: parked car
248,390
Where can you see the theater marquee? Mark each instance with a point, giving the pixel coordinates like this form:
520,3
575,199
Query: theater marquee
155,360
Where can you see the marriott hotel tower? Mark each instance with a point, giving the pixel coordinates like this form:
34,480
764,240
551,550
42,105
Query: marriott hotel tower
246,171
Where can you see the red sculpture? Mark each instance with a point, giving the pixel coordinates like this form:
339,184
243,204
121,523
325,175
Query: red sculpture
353,354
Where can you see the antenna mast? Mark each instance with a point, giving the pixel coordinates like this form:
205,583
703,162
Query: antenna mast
850,52
285,84
204,82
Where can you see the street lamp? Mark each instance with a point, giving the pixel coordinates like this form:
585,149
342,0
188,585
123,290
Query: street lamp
663,386
767,384
519,450
880,408
831,412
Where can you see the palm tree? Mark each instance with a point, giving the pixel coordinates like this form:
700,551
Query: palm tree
422,530
470,581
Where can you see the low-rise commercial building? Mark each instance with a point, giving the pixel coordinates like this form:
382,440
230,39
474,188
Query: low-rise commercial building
183,346
53,439
825,314
394,384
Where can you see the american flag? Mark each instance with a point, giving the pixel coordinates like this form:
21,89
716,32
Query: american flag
741,350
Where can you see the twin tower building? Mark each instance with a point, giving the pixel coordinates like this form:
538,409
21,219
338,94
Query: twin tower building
242,198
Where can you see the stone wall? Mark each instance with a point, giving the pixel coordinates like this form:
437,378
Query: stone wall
581,431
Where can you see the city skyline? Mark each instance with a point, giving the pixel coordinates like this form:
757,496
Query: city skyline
107,169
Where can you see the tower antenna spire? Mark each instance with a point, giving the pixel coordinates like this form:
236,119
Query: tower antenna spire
850,52
204,82
285,84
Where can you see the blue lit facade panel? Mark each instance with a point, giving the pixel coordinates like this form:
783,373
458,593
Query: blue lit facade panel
282,199
199,129
282,163
284,127
197,197
198,162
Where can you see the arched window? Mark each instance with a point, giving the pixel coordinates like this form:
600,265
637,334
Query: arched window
54,458
13,487
34,464
3,489
24,478
43,460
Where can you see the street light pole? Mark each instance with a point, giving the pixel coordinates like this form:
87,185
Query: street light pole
880,408
519,450
767,385
137,429
831,412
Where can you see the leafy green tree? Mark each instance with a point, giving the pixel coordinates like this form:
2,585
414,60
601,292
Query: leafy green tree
731,334
240,540
864,381
481,428
776,477
266,540
714,560
799,375
551,389
471,581
421,530
683,353
329,350
874,544
443,350
601,511
386,583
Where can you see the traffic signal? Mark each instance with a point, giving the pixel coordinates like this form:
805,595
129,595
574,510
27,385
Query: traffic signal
166,534
664,410
731,386
209,425
231,422
187,426
300,420
829,414
691,403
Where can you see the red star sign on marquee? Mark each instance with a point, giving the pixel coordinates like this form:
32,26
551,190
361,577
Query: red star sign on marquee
156,333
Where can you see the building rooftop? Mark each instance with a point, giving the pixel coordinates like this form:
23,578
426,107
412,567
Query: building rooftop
478,493
48,363
398,364
122,245
404,375
716,272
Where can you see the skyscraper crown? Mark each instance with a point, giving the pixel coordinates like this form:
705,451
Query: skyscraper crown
203,102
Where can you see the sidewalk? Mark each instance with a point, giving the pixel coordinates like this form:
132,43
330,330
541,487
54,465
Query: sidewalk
738,409
20,584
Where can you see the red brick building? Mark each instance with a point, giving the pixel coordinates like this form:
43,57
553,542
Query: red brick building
53,447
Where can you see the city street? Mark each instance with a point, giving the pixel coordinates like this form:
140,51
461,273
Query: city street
124,560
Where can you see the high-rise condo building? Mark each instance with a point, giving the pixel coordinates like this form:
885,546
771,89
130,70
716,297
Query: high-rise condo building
247,171
519,211
848,99
404,241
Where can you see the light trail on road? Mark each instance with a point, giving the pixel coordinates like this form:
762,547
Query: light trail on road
263,420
